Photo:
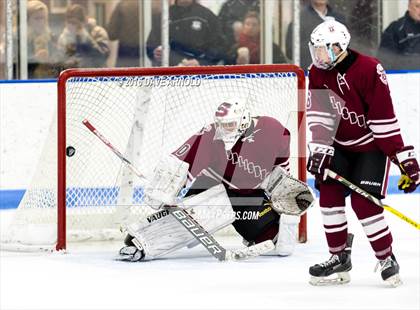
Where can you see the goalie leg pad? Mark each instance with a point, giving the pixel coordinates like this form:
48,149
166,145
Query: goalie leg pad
288,233
211,208
161,233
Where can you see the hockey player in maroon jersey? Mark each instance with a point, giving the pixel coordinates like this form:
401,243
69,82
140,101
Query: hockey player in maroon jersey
239,151
355,133
236,154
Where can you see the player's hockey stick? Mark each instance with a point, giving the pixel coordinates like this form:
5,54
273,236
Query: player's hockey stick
186,220
370,197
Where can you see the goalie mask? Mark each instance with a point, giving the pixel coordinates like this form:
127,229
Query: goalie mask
232,119
323,39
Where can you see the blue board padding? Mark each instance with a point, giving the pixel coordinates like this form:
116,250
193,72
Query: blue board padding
10,199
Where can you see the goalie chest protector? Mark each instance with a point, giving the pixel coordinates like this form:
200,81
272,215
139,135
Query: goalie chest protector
250,160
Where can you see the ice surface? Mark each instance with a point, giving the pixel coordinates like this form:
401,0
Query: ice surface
87,277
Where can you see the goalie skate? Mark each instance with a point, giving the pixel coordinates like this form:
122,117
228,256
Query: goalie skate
130,254
334,271
133,250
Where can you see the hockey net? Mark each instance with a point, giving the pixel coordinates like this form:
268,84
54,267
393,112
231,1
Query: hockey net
81,189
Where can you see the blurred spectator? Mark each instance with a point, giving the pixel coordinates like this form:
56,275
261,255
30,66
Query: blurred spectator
124,27
231,16
2,42
400,42
247,50
41,45
195,36
363,22
83,43
313,14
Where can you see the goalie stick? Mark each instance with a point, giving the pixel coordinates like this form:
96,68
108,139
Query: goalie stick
186,220
370,197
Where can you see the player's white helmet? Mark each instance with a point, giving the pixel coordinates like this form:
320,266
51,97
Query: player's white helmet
326,35
232,119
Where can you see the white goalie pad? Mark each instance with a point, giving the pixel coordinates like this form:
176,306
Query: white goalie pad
288,234
161,233
169,176
287,195
287,237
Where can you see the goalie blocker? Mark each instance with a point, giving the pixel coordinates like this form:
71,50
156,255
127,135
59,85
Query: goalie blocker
214,206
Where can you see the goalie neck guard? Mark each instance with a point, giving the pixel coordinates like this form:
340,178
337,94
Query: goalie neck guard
232,119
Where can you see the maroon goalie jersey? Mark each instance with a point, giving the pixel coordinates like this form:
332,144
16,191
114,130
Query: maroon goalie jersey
263,146
353,108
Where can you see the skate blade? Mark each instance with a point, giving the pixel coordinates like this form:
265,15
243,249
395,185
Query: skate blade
341,278
394,281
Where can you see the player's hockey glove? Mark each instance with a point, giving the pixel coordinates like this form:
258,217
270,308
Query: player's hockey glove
320,156
407,162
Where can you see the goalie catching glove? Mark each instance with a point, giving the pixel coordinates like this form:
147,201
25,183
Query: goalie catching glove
287,195
409,167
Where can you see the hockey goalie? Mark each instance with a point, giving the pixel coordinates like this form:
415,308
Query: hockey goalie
233,171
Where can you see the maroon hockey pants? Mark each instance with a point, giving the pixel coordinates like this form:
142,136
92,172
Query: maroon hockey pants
332,202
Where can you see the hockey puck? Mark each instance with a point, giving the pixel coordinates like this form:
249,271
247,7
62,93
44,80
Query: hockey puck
70,151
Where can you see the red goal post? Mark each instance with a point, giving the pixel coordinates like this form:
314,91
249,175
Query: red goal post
144,112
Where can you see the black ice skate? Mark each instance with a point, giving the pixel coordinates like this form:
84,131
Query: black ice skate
337,266
390,271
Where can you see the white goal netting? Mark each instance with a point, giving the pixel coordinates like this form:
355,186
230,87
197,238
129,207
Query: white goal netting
145,117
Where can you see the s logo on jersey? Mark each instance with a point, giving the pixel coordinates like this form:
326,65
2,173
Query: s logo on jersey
381,72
